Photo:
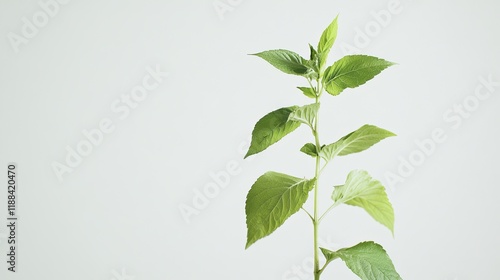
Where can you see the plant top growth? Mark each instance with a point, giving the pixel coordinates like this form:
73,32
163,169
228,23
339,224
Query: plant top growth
275,196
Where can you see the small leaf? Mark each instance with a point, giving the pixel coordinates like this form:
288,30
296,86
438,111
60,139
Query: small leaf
368,260
313,53
273,198
286,61
313,62
329,255
270,129
309,149
307,91
305,114
362,190
355,142
352,71
326,41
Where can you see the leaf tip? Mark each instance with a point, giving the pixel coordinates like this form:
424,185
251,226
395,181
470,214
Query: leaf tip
391,228
390,63
334,21
249,153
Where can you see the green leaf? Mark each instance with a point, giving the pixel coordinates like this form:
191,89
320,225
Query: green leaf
273,198
309,149
362,190
368,260
307,91
286,61
305,114
313,53
271,128
313,61
329,255
352,71
326,41
355,142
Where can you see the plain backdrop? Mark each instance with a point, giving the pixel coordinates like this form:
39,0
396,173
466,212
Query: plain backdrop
117,214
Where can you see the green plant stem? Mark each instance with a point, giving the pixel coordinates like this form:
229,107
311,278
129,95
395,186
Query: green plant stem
316,220
310,84
308,214
326,212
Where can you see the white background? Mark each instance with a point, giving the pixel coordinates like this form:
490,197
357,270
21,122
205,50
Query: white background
116,215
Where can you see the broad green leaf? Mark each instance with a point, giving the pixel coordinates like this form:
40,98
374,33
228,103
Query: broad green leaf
271,128
273,198
309,149
286,61
305,114
368,260
355,142
307,91
352,71
361,190
326,41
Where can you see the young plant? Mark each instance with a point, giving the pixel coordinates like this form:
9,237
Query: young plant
274,197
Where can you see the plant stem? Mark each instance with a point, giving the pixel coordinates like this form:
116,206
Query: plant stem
316,219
